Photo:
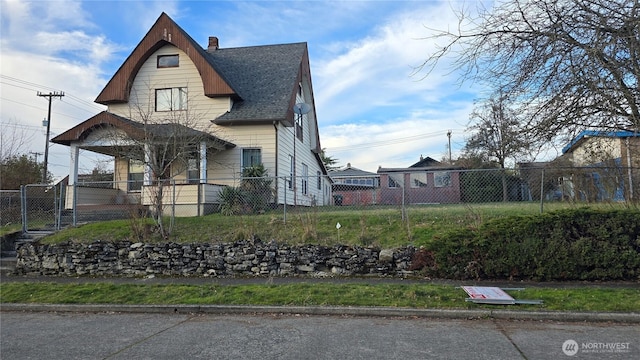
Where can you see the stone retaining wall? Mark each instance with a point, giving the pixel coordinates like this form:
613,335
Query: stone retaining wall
238,259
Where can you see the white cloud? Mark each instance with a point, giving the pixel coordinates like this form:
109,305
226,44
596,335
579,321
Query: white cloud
366,94
46,47
362,56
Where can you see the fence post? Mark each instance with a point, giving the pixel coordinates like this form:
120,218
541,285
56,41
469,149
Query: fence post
23,207
74,211
284,220
173,202
542,192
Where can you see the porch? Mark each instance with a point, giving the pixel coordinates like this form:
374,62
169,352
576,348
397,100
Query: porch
181,200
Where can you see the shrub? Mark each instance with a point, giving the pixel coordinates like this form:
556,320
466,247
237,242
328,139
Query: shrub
577,244
252,196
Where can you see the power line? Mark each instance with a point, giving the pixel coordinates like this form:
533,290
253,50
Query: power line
35,87
388,142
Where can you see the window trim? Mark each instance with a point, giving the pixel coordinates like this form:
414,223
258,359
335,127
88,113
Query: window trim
416,178
181,100
439,179
242,154
392,183
170,57
305,179
195,170
134,185
291,165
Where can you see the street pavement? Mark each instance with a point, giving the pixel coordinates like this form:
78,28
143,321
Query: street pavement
59,331
115,335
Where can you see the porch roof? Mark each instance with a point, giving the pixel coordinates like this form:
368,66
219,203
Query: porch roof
135,130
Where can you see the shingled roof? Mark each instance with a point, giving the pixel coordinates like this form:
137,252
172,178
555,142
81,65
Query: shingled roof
262,80
265,77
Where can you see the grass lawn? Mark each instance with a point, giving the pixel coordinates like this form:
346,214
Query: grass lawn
314,294
368,225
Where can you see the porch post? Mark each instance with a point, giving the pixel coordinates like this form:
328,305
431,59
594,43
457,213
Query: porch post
73,165
203,162
147,164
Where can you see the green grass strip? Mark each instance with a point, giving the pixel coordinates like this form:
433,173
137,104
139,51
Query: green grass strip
314,294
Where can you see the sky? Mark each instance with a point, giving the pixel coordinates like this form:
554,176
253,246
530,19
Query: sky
374,108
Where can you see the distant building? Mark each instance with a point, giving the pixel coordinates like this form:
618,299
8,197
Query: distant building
426,182
352,186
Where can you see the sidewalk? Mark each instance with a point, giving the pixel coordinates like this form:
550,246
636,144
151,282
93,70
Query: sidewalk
499,312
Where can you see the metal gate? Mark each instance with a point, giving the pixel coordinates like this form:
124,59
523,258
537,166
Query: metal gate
40,205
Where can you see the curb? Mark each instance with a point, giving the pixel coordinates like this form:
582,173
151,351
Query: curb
633,318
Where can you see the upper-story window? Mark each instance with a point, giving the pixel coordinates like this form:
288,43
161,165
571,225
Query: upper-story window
167,61
171,99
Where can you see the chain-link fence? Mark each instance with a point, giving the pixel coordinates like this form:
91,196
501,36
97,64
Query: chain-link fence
10,213
405,190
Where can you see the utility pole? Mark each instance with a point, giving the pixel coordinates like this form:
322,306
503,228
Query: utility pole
449,136
35,154
50,95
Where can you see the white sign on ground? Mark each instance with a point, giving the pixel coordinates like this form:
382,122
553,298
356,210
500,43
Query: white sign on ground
493,295
488,295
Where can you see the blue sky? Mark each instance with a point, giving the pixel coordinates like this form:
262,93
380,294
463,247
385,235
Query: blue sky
372,109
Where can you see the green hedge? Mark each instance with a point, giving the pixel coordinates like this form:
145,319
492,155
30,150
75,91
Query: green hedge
577,244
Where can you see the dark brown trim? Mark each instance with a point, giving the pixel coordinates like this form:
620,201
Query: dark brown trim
164,32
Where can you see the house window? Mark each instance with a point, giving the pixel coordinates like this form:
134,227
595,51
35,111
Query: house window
193,171
171,99
319,176
167,61
442,179
291,165
136,175
393,183
305,179
299,119
251,157
418,180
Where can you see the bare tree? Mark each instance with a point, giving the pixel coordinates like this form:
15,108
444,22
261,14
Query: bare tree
496,132
166,141
14,140
569,64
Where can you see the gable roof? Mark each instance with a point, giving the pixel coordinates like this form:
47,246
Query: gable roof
164,31
426,162
575,142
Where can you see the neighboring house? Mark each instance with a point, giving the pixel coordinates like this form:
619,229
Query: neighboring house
605,165
352,186
426,182
232,108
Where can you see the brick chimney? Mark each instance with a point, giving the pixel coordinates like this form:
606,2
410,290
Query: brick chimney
213,44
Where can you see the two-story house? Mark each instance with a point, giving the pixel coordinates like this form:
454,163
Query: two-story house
221,109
